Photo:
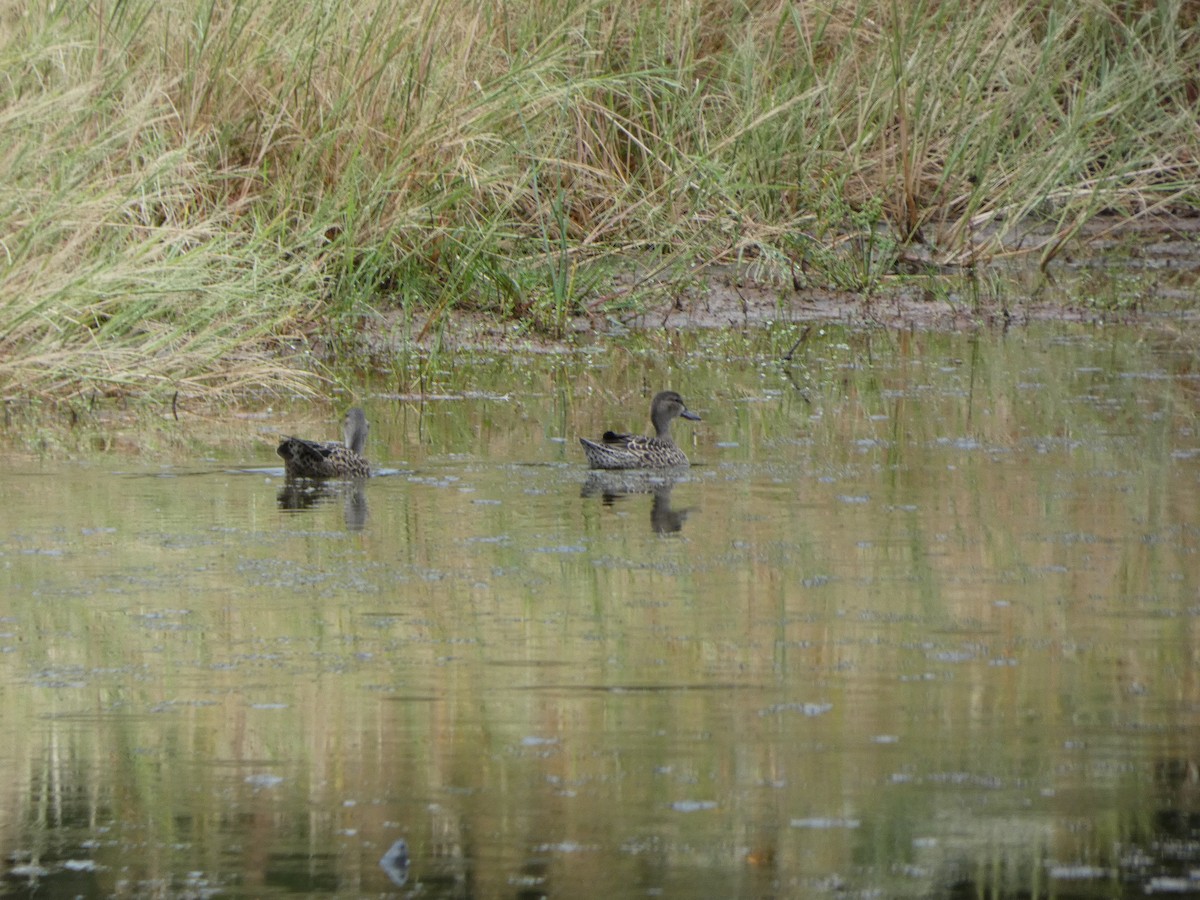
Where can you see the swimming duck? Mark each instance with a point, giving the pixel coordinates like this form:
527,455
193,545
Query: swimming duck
329,459
636,451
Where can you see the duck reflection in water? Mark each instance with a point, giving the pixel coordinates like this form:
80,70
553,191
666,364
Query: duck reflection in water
303,494
612,486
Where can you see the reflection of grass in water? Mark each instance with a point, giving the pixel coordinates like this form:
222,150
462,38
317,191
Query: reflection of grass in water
830,391
192,187
438,667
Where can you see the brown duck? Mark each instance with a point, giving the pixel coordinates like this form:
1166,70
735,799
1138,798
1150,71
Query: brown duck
329,459
637,451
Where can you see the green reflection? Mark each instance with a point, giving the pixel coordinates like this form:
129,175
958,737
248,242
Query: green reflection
920,617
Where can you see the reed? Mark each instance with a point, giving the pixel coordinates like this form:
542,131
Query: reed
194,187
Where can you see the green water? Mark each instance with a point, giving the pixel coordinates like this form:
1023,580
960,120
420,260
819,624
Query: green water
921,620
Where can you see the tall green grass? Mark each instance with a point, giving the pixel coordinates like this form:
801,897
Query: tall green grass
195,187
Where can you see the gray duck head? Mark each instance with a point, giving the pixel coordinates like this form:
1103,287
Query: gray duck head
665,406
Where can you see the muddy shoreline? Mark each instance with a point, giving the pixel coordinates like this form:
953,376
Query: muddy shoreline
1089,289
1125,270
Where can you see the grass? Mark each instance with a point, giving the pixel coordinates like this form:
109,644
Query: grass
195,189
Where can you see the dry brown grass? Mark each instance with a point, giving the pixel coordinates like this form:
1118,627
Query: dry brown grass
190,182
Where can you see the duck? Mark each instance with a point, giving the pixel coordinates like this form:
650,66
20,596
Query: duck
636,451
329,459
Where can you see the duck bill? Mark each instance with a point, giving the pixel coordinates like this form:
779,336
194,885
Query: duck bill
688,414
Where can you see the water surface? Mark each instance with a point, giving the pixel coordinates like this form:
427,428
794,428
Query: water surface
920,621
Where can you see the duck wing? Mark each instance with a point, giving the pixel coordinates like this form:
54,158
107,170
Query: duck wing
619,440
300,447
